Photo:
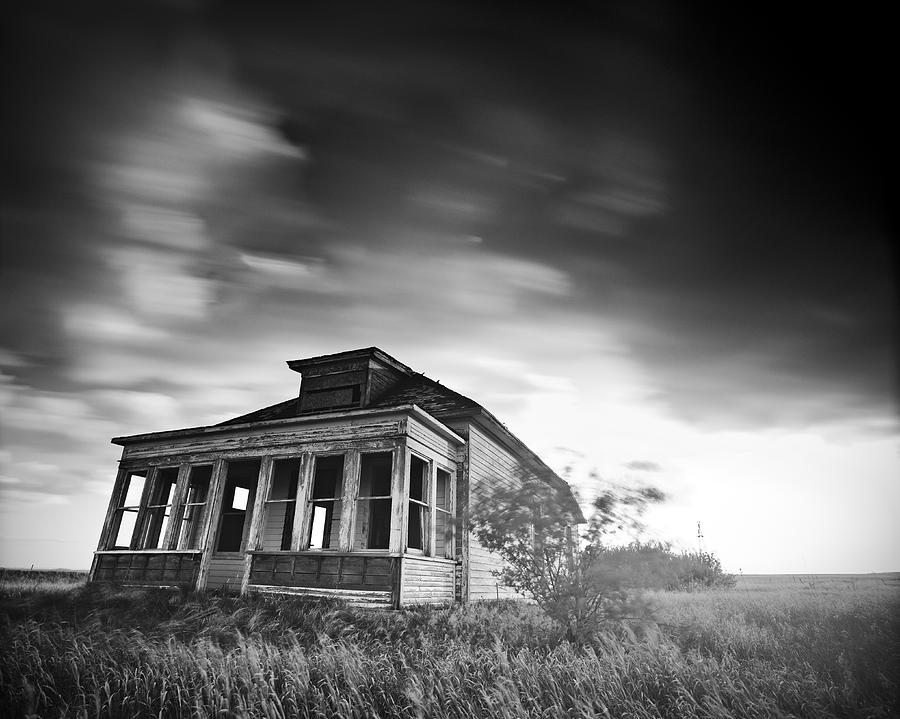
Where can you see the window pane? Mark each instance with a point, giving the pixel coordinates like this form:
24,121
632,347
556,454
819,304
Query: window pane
418,471
375,475
198,484
441,527
325,525
157,521
415,536
373,524
163,486
126,529
285,474
191,527
135,489
240,497
329,475
442,490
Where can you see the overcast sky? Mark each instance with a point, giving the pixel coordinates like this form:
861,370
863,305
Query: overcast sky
651,240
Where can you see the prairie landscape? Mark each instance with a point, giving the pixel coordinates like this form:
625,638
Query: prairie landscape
773,646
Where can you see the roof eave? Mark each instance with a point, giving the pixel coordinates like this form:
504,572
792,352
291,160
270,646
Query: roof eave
413,409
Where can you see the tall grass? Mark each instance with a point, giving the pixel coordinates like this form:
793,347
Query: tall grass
104,652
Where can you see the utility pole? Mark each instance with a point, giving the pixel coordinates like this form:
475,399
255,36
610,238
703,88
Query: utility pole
699,539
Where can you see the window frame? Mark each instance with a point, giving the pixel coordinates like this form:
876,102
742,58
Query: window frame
184,529
312,501
450,512
154,515
288,526
426,524
359,498
248,511
146,474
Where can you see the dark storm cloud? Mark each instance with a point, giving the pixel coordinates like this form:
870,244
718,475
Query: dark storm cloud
190,172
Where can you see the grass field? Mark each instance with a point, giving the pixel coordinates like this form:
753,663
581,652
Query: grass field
789,646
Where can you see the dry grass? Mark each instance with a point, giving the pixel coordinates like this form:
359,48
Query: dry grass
777,650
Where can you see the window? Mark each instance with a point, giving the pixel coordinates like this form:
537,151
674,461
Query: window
278,526
159,508
194,508
125,521
443,515
325,502
237,502
419,515
373,509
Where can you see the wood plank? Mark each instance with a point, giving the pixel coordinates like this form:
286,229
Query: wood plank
115,501
254,537
399,495
348,508
260,440
300,530
210,519
463,476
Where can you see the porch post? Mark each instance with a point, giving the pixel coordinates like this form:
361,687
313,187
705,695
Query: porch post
399,492
256,519
351,490
210,521
115,501
462,521
300,531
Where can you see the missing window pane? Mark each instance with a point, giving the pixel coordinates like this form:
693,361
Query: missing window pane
126,530
241,495
135,489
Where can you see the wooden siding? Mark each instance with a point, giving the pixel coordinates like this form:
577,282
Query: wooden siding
318,437
147,568
490,465
428,439
225,572
427,580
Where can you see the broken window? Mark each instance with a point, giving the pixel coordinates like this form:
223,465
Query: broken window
194,508
159,508
237,502
373,509
443,515
277,529
125,519
325,502
419,514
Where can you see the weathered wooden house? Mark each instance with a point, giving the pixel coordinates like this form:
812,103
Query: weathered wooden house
358,488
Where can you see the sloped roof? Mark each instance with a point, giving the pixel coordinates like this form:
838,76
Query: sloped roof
436,399
282,410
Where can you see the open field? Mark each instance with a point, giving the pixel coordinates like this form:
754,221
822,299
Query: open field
829,647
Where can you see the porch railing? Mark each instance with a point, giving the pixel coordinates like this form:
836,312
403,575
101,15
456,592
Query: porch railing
176,568
334,570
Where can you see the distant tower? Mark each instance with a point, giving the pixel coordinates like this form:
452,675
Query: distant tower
699,539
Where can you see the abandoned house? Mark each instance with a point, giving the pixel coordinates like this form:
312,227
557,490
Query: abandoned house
358,488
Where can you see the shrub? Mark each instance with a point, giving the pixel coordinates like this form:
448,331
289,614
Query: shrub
654,565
